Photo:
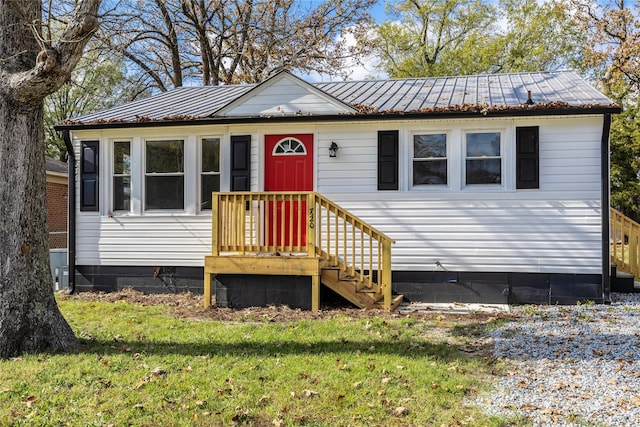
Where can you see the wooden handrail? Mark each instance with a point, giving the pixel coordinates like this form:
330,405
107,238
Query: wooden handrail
625,243
302,223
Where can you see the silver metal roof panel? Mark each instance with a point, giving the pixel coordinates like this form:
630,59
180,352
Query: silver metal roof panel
506,91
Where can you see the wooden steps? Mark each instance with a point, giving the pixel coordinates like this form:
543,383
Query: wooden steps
355,291
324,241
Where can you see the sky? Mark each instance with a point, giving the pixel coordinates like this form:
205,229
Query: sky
368,69
365,71
378,11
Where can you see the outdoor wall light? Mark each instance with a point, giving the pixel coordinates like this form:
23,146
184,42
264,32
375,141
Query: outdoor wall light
333,149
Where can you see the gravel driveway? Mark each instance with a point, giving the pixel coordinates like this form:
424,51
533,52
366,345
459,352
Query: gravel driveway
570,365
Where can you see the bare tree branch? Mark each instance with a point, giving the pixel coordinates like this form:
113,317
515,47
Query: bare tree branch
53,66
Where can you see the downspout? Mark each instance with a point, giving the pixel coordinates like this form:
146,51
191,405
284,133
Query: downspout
604,203
71,244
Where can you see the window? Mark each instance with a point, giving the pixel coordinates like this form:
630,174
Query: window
483,158
121,175
209,170
289,146
164,175
430,159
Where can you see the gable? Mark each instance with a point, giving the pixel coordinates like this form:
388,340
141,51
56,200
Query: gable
284,95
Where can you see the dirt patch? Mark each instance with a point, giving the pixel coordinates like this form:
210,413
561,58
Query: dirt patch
466,330
190,305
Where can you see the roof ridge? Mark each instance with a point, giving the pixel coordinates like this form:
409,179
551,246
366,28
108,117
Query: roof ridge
463,76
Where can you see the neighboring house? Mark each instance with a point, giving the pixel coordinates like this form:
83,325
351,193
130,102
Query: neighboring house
57,202
57,219
494,187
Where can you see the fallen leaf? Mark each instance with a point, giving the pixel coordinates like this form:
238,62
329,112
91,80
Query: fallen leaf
29,400
401,411
158,371
311,393
528,407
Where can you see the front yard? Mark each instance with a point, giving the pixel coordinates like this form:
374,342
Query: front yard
164,360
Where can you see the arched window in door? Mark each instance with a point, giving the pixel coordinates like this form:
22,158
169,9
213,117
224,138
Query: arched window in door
289,146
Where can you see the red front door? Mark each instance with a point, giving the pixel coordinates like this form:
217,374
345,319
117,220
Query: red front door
288,167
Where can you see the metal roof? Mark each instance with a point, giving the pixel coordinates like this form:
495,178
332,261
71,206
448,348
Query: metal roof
499,90
464,94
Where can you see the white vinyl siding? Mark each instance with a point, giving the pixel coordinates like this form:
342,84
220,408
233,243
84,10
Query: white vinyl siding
285,96
553,229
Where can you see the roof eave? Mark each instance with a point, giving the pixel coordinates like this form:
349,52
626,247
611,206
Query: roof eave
612,109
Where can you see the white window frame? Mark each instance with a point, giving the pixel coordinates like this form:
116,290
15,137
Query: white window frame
184,174
287,153
412,159
114,175
201,173
503,159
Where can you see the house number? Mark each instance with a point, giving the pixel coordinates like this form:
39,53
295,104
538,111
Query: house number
311,218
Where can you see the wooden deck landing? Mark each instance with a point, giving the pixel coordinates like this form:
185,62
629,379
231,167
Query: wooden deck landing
300,234
285,265
318,268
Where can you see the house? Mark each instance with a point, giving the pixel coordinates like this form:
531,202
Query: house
492,188
57,208
57,202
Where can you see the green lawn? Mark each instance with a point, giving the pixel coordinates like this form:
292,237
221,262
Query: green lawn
144,365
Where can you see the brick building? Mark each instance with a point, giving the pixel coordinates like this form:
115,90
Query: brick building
57,202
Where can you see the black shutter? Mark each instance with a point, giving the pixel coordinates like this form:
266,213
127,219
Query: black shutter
89,175
241,163
527,157
388,160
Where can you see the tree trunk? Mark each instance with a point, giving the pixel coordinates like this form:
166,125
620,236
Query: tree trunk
29,317
30,69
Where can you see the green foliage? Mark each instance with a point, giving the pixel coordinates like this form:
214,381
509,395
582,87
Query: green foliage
612,30
97,83
141,366
625,160
461,37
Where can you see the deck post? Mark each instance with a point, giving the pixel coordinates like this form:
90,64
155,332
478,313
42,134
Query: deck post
386,274
215,221
207,289
311,224
315,292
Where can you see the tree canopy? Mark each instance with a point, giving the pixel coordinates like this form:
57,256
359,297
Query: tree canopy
612,52
459,37
178,42
99,81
